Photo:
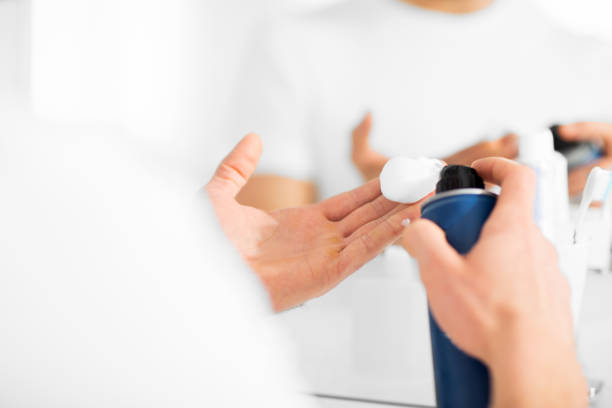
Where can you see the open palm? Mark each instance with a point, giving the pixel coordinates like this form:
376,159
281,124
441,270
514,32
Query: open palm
301,253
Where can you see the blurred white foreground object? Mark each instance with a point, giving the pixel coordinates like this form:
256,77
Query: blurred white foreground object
597,228
551,207
118,287
573,263
407,180
597,188
587,246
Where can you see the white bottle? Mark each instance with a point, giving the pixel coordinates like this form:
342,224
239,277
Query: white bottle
551,206
592,225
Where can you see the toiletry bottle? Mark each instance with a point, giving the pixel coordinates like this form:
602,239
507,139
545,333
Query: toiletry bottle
577,153
460,207
551,206
597,230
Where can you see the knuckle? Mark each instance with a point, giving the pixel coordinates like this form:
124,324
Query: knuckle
212,188
395,228
353,197
227,173
377,206
368,242
508,311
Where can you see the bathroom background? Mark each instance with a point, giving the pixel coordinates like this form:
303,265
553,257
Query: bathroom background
162,69
161,73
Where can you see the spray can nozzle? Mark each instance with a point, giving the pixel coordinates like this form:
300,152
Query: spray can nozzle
454,177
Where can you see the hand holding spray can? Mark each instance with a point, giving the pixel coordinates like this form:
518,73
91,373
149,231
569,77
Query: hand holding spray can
460,207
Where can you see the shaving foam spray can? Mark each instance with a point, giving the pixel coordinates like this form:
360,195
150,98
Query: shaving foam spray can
460,207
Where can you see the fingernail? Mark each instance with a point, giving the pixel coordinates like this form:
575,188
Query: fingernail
406,222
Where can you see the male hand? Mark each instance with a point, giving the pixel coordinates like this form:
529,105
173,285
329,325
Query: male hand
593,132
301,253
506,301
370,163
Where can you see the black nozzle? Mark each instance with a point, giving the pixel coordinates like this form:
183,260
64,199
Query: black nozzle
563,146
454,177
560,144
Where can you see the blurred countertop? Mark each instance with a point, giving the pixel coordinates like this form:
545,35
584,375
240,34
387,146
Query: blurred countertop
368,344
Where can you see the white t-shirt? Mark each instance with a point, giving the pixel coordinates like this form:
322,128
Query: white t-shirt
434,82
116,286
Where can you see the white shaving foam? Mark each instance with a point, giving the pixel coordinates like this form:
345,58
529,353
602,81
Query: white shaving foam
407,180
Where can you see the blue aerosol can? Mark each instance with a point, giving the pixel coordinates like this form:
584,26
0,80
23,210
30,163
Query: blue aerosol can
460,207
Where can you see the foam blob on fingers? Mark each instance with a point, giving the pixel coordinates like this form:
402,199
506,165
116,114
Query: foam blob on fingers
407,180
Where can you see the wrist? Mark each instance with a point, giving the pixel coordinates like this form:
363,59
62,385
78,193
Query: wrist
530,367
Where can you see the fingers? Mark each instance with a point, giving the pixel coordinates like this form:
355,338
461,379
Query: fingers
399,214
508,146
338,207
577,178
591,131
426,242
517,183
369,241
368,212
239,165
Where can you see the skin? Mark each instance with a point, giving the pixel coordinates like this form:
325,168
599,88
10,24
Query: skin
301,253
506,301
590,131
451,6
370,163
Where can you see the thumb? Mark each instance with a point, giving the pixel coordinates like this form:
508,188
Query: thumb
426,242
508,146
237,167
361,134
